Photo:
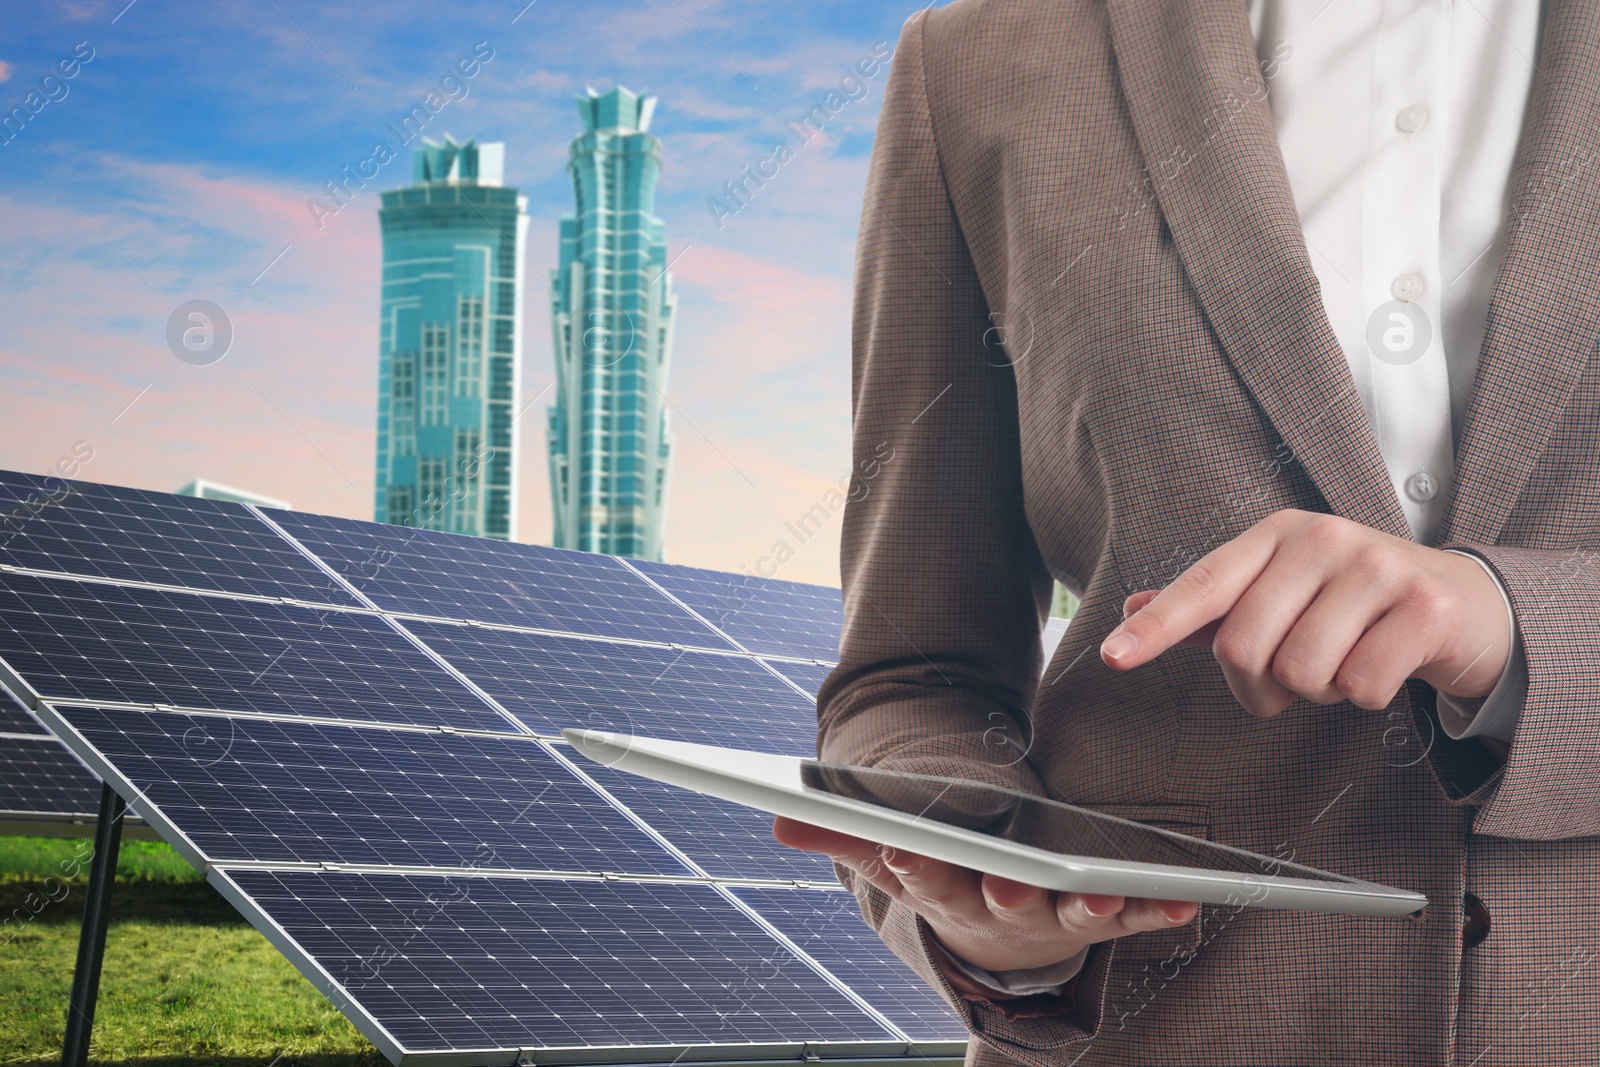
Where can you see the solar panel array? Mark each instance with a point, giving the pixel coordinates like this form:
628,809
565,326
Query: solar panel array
353,729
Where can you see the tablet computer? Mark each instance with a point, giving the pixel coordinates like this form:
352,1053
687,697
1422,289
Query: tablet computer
990,828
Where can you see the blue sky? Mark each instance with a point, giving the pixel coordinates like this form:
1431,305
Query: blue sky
179,162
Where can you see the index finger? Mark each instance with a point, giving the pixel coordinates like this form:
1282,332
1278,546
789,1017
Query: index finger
1202,594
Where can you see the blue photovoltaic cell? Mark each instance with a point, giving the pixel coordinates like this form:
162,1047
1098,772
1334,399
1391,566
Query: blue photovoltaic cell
421,572
765,615
828,927
39,776
134,535
113,644
551,683
727,840
14,719
808,676
252,789
504,963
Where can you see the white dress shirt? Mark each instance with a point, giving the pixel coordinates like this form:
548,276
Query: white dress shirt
1398,121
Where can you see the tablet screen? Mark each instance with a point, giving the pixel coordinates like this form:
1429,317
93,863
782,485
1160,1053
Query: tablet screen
1043,823
996,829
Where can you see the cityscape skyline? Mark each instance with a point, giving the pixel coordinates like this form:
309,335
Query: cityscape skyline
165,177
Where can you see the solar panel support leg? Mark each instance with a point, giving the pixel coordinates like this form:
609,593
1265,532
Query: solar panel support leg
92,939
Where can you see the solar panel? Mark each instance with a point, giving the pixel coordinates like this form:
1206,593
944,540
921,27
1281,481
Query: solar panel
551,683
726,840
421,572
765,615
131,535
295,792
827,926
501,964
99,643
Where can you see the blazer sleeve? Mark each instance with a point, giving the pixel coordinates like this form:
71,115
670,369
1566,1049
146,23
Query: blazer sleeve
1549,787
945,591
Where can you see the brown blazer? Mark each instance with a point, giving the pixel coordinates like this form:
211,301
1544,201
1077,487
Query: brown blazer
1089,344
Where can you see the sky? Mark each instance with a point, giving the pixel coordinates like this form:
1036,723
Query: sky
178,159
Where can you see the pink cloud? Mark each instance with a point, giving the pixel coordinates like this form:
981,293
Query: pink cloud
302,334
768,311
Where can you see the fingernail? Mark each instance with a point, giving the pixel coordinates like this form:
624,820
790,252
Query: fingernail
891,859
1120,645
1107,907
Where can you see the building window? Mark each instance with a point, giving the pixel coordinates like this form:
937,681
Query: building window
403,394
497,514
431,490
469,346
402,502
435,373
467,480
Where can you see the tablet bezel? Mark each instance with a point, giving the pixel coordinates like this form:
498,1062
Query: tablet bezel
773,784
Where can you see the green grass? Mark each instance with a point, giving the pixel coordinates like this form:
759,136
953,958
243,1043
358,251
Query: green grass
187,982
41,857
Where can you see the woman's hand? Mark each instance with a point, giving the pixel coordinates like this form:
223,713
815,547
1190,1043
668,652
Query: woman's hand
991,922
1315,606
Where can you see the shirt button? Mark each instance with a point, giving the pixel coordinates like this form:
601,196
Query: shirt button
1410,119
1407,287
1422,487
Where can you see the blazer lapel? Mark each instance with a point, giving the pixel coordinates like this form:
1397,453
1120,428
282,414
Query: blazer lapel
1205,127
1544,309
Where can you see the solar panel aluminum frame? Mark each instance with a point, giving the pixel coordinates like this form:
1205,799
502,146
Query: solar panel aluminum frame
855,1053
63,824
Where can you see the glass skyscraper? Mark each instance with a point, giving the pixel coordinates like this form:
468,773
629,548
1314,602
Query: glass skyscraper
450,345
611,313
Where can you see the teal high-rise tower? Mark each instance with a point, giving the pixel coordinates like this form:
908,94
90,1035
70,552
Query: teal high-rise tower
611,307
450,344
